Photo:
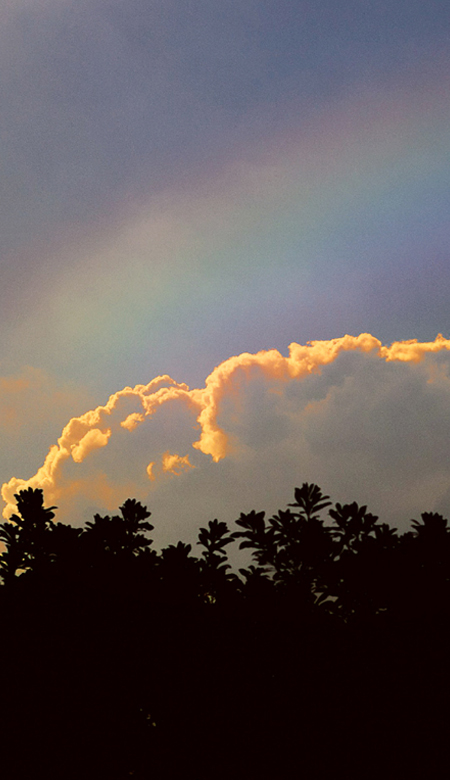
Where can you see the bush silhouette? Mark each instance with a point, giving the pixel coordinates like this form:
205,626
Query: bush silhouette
327,651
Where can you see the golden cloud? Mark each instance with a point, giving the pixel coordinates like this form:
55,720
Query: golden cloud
92,440
175,464
86,433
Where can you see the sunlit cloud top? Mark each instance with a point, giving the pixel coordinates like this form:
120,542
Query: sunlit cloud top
148,434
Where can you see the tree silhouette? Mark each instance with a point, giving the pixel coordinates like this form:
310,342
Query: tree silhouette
13,558
214,563
122,661
310,501
27,542
354,525
256,536
121,535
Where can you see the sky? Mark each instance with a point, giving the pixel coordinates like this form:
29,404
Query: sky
208,203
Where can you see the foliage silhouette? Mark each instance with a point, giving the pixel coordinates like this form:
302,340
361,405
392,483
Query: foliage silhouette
122,661
121,535
310,501
27,546
214,539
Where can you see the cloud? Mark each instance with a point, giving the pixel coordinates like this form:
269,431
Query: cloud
93,439
150,472
175,464
368,422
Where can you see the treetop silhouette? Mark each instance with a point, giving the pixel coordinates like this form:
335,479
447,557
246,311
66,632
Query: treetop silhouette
122,660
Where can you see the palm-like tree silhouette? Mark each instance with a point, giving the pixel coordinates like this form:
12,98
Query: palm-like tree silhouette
354,524
310,501
214,539
433,529
13,558
293,546
119,535
256,536
27,540
214,562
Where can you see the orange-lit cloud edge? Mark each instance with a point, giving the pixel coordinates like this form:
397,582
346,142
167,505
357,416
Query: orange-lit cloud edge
89,432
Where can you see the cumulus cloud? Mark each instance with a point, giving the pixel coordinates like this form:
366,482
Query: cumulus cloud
366,421
92,440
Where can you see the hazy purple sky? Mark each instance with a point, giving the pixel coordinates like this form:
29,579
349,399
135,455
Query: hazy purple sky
184,182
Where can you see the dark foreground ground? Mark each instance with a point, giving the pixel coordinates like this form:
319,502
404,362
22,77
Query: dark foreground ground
101,687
